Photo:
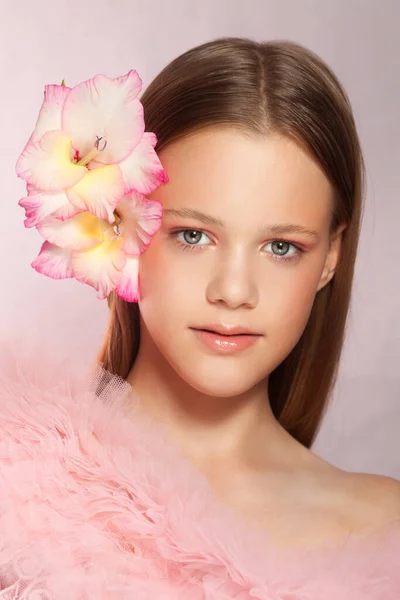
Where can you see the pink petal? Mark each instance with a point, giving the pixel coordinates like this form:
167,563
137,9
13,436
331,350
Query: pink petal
128,288
47,164
50,114
40,206
141,219
142,169
105,108
53,261
150,218
100,267
67,211
82,231
99,191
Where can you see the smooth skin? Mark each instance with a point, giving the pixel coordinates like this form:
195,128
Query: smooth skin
229,267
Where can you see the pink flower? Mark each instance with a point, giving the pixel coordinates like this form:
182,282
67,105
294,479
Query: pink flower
88,150
100,254
88,165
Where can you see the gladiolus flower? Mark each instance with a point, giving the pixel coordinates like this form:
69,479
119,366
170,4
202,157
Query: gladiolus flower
88,165
88,150
100,254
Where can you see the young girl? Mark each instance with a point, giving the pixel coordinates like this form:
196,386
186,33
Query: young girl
184,470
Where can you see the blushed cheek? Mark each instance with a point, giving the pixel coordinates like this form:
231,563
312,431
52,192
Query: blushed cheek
163,294
169,279
153,272
290,311
304,291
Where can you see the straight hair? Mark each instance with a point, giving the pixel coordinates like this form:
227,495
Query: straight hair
265,88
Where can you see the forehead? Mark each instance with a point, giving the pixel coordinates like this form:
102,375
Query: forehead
239,177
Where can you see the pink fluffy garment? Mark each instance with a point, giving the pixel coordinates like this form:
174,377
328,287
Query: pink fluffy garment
96,503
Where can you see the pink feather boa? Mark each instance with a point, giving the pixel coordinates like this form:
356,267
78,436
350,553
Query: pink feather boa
96,503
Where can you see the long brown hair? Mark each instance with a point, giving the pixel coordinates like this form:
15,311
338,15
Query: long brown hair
263,88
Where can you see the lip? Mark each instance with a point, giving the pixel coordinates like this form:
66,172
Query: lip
238,340
226,329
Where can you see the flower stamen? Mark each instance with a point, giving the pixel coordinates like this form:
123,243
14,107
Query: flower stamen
93,153
116,226
97,142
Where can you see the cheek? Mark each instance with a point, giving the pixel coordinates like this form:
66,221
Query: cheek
289,305
154,272
166,284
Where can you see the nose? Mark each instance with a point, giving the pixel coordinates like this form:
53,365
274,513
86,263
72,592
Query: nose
233,282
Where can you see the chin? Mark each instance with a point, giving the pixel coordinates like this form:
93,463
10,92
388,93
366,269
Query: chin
220,382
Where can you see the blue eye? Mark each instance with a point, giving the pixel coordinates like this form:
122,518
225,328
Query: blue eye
281,248
188,239
191,237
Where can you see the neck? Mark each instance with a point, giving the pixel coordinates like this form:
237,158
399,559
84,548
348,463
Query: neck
208,429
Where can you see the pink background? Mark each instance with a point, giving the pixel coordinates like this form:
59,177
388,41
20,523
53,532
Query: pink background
44,41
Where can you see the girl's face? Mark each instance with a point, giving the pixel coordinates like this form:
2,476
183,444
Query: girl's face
244,242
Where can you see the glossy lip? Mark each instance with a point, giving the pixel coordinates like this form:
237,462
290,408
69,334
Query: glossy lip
225,339
226,330
219,343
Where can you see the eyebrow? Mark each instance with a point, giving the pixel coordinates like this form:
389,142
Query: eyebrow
277,228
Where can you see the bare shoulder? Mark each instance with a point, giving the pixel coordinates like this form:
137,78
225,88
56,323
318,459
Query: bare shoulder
374,499
381,491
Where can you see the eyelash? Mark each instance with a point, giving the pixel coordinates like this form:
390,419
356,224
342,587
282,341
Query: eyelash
197,247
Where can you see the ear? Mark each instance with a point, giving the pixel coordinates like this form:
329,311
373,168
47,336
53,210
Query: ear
332,258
